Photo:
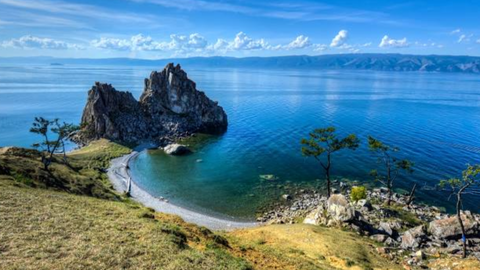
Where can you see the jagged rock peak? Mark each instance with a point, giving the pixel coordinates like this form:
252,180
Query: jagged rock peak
169,107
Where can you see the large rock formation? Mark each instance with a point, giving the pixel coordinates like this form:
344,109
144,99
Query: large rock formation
169,107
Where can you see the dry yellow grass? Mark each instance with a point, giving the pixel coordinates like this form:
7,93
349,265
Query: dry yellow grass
308,247
42,229
44,226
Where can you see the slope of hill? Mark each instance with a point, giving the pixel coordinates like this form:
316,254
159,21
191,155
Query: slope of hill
54,221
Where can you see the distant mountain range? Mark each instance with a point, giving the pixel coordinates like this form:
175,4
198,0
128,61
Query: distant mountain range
379,62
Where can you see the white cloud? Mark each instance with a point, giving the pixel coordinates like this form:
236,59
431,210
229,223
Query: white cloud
478,41
320,47
339,39
146,43
300,42
111,43
394,43
32,42
456,31
220,45
464,38
243,42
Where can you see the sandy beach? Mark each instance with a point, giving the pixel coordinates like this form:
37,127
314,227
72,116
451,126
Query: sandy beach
119,176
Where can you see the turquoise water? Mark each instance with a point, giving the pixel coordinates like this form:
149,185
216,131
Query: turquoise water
434,119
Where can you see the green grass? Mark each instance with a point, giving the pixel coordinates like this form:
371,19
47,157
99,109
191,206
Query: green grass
410,219
84,174
43,229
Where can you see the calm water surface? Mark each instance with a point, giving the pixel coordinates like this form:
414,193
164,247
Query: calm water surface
433,118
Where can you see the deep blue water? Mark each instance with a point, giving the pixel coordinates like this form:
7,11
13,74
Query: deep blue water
434,118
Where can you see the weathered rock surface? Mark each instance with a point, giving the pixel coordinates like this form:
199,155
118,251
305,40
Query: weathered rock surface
176,149
414,238
169,107
449,228
339,208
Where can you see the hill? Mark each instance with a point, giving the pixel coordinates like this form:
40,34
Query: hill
377,62
70,218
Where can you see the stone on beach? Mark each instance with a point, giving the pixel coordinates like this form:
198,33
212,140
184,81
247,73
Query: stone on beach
176,149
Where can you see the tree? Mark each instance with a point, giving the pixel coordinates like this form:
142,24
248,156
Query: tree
470,178
48,147
325,141
392,165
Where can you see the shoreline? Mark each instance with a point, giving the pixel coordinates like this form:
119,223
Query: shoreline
119,176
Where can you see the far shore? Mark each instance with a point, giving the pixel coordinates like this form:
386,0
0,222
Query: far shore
118,173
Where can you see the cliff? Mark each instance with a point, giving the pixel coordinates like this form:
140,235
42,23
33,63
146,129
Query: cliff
169,107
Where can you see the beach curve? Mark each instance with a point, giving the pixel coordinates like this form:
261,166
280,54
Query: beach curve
118,174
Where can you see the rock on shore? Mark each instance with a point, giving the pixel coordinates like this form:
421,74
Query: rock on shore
170,107
400,228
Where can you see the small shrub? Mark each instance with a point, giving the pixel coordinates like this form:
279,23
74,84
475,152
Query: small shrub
177,236
358,193
146,214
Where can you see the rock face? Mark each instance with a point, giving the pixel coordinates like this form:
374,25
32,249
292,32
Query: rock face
176,149
169,107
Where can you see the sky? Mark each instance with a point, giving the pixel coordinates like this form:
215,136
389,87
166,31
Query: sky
155,29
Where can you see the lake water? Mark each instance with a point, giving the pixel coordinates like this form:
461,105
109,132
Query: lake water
434,118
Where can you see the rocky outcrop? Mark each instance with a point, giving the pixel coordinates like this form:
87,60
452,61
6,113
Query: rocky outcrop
169,107
176,149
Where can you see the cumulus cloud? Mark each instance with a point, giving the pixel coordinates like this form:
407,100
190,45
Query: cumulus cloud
300,42
243,42
146,43
32,42
393,43
111,43
339,39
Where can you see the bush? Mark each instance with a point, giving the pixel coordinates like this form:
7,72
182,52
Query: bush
358,193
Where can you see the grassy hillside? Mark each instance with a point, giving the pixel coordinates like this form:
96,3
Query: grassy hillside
70,218
43,229
84,174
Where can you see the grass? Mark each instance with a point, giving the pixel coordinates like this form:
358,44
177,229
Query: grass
84,174
410,219
43,229
71,218
306,247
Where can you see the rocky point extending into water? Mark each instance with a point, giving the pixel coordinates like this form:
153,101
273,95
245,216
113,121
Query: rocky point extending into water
410,233
169,107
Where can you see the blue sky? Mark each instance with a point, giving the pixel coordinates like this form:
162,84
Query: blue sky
184,28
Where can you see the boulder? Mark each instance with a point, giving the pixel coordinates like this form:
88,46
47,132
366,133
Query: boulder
169,107
379,237
413,238
390,227
339,209
317,216
449,228
176,149
364,205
